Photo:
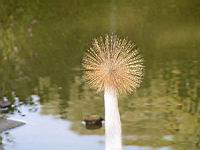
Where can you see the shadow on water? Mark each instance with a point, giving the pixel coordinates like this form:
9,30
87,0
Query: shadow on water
41,46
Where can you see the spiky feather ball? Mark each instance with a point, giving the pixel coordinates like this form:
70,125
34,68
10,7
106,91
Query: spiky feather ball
113,62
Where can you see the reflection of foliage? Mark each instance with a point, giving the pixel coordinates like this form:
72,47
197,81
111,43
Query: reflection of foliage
12,47
1,142
7,44
10,62
42,41
88,101
164,107
83,102
12,11
50,97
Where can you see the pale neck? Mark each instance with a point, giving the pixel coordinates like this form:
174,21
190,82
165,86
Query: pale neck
112,120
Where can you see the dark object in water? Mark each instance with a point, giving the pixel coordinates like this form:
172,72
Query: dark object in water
5,104
93,122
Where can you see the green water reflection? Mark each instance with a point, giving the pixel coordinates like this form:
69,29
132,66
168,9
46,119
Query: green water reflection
42,43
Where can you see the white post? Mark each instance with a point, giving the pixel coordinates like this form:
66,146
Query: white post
112,120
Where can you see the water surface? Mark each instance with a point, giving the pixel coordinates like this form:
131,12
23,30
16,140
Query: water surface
41,46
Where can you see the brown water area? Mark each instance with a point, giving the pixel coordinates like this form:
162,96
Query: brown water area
42,44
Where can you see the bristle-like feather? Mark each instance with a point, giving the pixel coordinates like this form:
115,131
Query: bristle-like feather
113,62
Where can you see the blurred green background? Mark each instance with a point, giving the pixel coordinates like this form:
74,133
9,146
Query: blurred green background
42,43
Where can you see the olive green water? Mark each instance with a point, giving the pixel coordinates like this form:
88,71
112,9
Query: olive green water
42,43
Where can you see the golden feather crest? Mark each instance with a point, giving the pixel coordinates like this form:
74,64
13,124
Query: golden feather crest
113,62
